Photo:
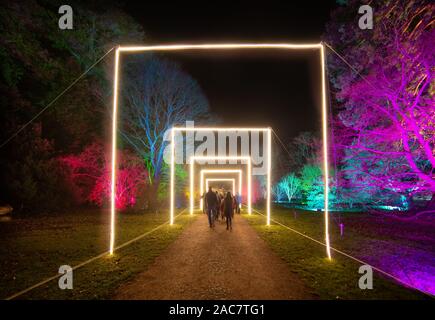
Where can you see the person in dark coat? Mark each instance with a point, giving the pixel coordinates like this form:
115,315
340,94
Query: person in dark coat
211,202
204,203
227,205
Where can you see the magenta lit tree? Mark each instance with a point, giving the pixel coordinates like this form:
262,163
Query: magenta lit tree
89,172
386,120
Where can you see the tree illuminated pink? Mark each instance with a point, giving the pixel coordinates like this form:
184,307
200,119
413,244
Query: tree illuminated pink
89,171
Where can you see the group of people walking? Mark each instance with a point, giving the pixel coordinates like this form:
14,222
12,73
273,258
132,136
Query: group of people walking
216,204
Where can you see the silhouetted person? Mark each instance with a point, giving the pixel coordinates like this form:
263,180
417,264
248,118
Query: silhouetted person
204,205
235,205
227,204
211,202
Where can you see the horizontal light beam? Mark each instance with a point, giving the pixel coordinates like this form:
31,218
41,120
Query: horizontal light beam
221,158
223,46
218,129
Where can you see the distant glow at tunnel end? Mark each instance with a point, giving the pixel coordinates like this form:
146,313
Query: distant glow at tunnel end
193,159
218,171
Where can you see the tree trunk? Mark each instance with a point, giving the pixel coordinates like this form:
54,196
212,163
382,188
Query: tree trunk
410,202
152,196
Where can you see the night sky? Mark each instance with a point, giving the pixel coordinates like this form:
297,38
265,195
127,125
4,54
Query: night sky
280,89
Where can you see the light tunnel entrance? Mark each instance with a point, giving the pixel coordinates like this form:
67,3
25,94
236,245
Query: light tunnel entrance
211,47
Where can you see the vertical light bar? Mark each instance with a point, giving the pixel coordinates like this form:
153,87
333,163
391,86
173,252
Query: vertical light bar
192,164
113,173
171,218
240,183
325,151
249,188
201,202
240,188
269,169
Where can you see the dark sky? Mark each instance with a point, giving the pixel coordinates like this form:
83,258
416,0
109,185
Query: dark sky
268,88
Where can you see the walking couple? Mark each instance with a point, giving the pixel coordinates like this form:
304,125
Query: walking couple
213,205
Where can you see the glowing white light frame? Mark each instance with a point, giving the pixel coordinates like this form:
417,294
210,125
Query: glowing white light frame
217,129
218,171
230,46
248,160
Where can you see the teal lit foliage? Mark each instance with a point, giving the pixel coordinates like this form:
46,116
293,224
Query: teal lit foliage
357,187
313,188
309,176
315,196
180,186
342,2
306,189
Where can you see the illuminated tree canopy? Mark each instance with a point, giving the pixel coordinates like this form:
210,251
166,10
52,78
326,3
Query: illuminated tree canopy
384,127
158,95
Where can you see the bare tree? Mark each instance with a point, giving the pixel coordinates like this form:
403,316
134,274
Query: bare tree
289,185
157,96
304,148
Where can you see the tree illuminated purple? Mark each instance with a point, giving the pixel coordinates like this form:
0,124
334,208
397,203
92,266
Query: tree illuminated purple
386,122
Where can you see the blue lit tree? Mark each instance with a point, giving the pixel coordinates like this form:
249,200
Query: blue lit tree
289,187
157,95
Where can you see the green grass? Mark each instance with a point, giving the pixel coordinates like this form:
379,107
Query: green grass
336,279
33,248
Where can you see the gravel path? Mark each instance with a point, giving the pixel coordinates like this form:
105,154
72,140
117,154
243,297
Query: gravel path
215,263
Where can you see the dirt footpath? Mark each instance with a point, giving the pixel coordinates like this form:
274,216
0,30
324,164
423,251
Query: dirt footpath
206,263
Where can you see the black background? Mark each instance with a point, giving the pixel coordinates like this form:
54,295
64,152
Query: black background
280,89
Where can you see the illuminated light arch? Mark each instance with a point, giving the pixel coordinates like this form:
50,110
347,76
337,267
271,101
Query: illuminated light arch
269,168
218,171
248,160
229,46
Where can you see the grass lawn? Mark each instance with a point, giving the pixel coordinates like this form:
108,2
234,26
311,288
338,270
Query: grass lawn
33,248
371,240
